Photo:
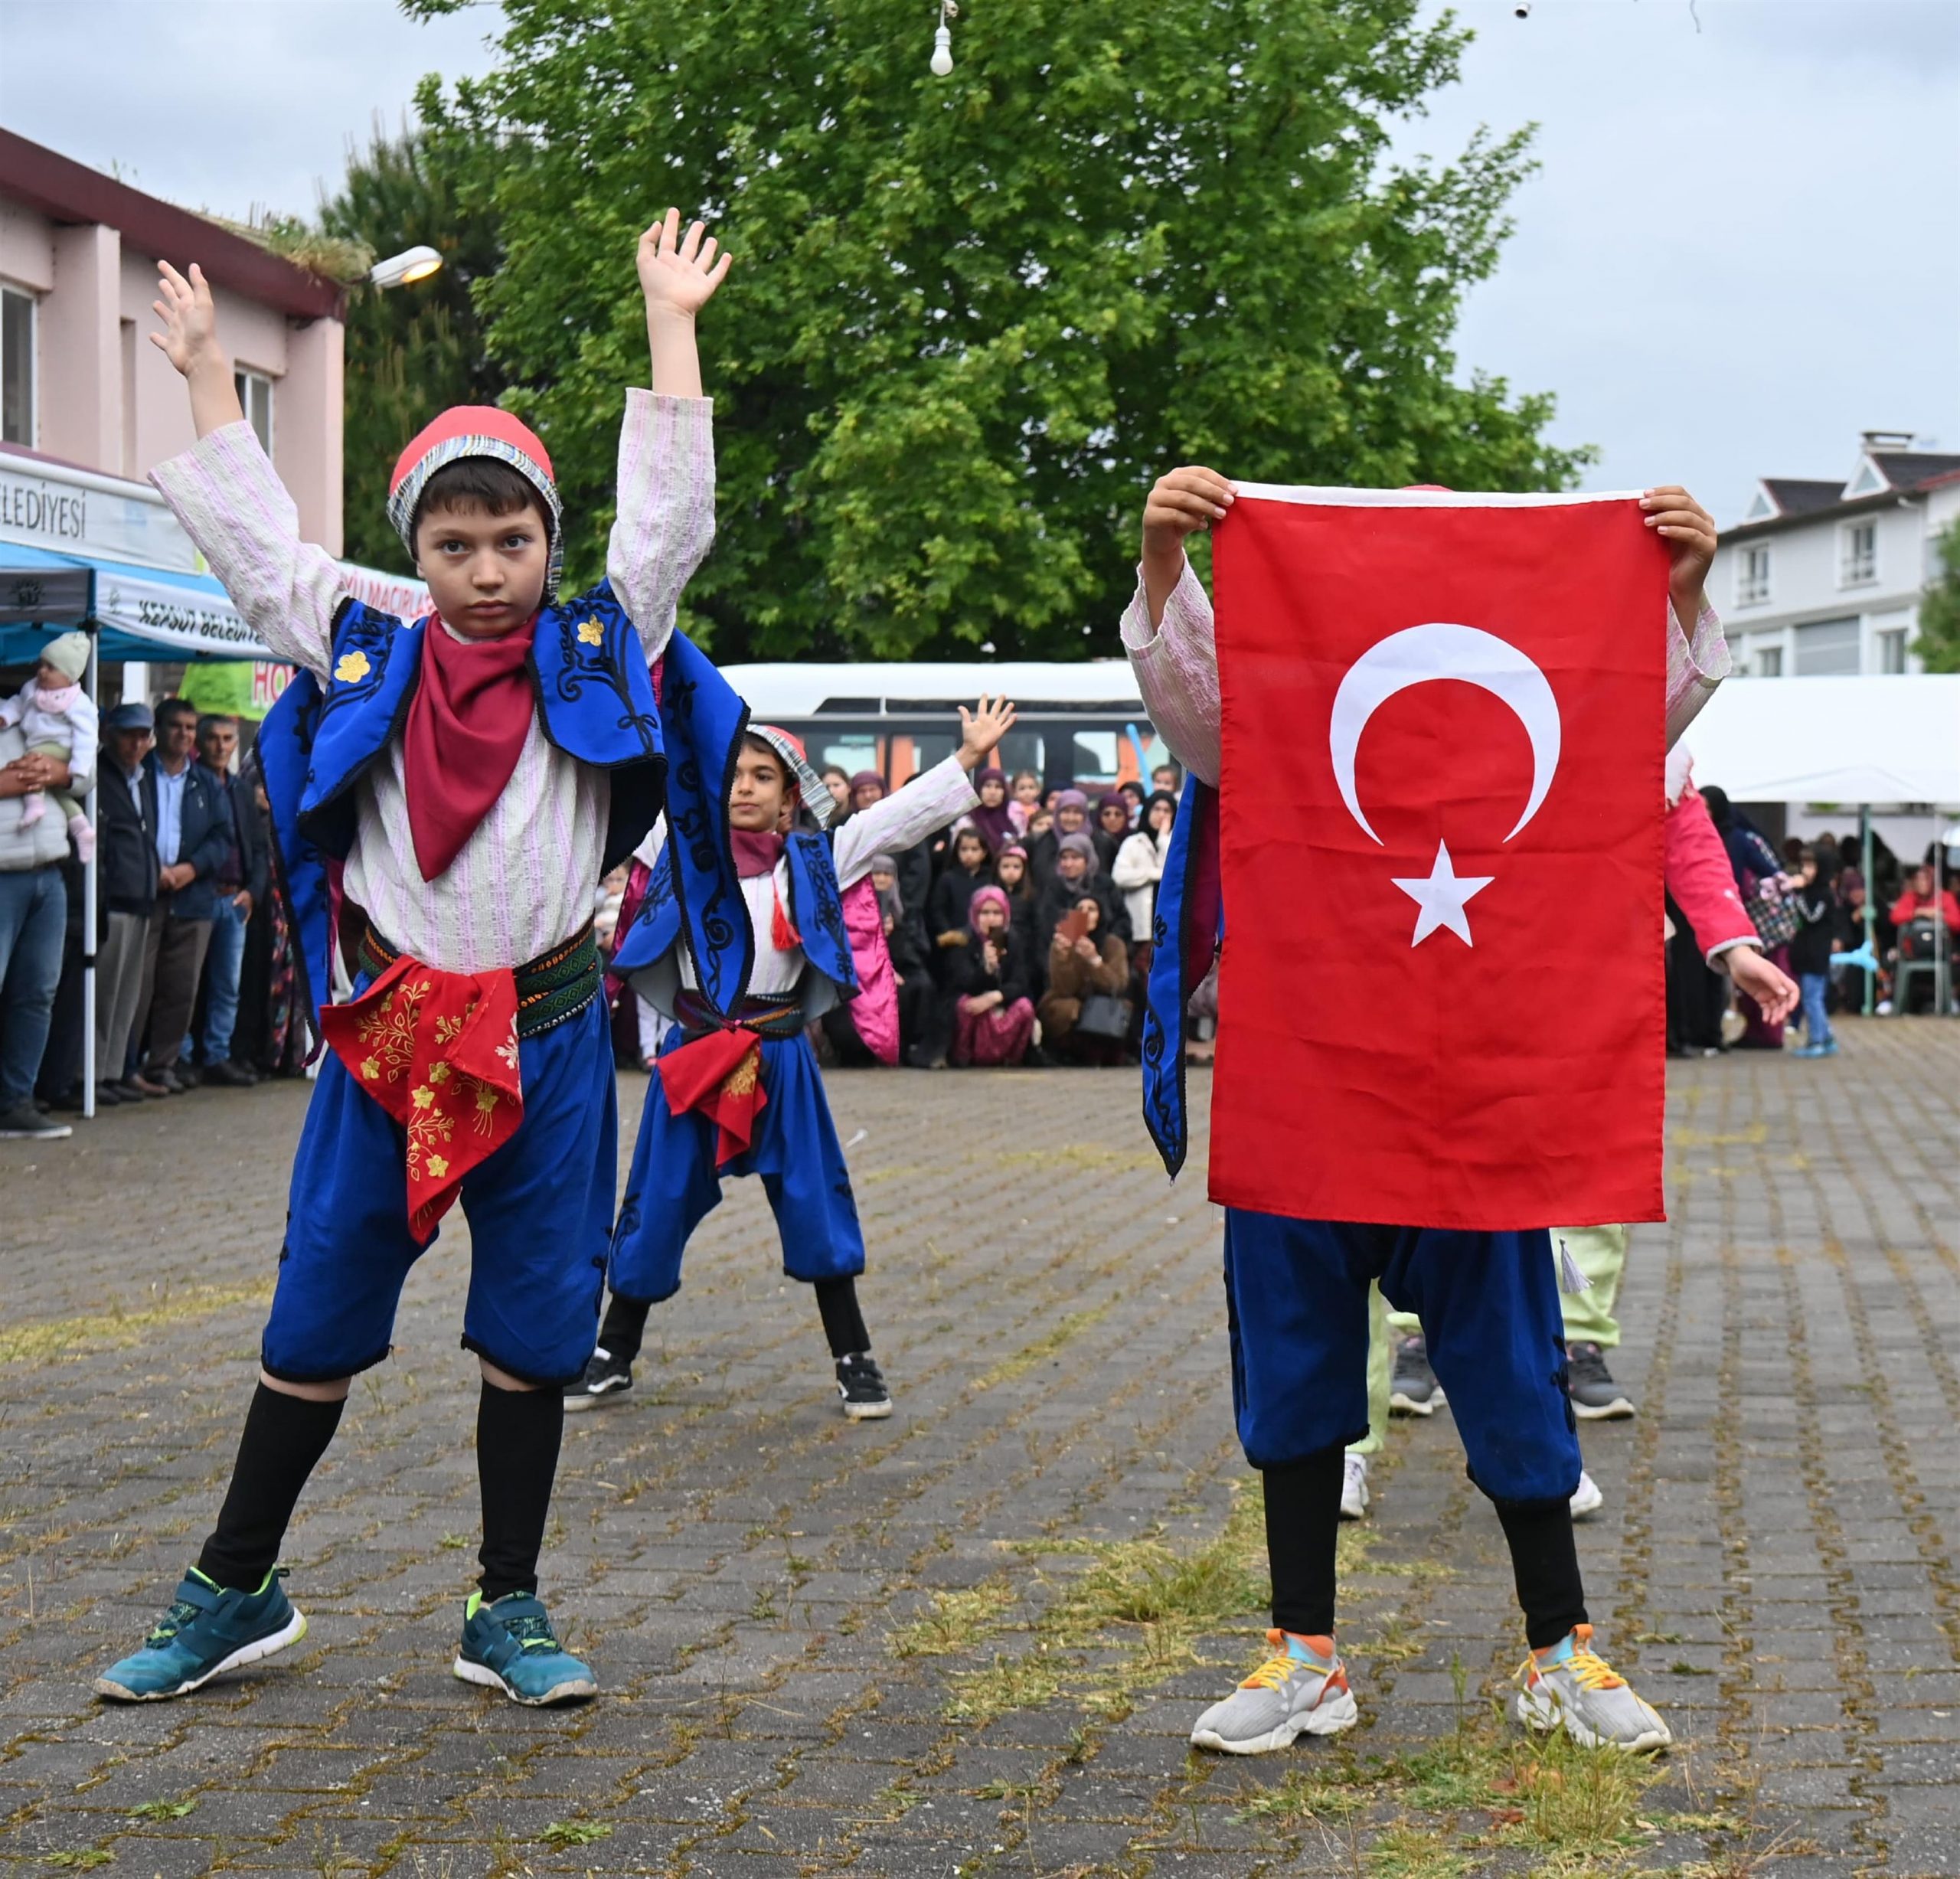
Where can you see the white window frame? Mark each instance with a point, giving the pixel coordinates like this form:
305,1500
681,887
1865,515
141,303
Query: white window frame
1751,582
1855,570
1768,661
251,384
9,289
1887,640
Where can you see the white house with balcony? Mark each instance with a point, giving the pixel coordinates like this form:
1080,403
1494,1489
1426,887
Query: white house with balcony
1823,578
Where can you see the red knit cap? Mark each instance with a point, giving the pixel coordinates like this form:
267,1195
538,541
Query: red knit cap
466,430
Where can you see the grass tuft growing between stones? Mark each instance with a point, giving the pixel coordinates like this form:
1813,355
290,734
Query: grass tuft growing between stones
59,1340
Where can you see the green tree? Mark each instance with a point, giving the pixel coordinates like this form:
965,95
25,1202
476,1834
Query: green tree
971,317
1937,645
414,350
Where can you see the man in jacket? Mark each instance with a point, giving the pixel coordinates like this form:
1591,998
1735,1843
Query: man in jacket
240,886
194,837
34,915
125,837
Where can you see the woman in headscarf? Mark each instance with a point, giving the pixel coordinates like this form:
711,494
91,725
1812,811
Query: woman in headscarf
994,816
993,1006
1095,963
1071,814
1139,867
1113,827
1754,862
1076,874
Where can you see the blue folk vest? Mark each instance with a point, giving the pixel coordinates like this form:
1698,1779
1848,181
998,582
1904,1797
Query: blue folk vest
596,701
815,910
1185,930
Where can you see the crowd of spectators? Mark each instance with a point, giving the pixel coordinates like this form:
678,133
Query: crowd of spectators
194,980
1019,935
1809,901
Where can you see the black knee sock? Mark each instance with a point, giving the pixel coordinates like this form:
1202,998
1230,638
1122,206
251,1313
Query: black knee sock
285,1437
844,1324
625,1327
1302,1516
517,1433
1544,1560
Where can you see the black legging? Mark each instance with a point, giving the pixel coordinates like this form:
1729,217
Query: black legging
624,1330
1303,1515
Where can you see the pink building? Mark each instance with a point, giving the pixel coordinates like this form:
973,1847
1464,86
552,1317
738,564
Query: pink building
81,384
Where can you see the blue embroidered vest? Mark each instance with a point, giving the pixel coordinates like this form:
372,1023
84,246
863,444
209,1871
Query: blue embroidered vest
1185,930
596,701
815,910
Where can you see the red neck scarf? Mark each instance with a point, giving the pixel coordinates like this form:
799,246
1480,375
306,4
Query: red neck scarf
466,724
757,852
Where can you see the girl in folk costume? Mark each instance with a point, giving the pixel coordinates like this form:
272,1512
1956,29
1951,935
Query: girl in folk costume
464,783
1297,1289
736,1090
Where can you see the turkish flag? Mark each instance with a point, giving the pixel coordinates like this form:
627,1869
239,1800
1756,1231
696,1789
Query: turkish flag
1441,999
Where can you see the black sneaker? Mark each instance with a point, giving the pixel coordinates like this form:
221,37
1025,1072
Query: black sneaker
861,1384
232,1076
29,1124
1595,1396
1413,1389
605,1377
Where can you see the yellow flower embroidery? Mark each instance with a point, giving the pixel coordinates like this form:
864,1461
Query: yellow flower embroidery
369,1069
438,1167
352,666
422,1096
591,634
439,1072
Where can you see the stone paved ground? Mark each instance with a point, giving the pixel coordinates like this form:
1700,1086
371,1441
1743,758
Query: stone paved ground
886,1649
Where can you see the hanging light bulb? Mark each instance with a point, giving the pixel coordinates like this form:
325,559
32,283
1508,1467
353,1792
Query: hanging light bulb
943,49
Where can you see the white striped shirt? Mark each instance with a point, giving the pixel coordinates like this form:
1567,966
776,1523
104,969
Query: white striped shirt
527,877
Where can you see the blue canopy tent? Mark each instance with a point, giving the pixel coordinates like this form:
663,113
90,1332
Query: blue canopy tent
128,612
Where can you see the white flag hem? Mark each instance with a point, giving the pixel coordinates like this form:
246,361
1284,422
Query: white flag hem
1428,498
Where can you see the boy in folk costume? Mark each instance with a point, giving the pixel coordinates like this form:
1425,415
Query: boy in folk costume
736,1089
1297,1289
464,782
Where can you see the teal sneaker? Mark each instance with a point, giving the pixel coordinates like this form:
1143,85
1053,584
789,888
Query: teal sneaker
510,1646
207,1629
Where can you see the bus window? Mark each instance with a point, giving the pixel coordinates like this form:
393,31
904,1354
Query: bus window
1094,758
850,754
1019,750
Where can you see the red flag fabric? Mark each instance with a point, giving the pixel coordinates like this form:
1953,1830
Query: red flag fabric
1441,1002
720,1073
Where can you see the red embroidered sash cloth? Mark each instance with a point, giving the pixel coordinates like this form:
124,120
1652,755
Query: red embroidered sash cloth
718,1071
439,1051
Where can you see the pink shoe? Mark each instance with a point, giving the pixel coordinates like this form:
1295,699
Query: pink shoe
81,831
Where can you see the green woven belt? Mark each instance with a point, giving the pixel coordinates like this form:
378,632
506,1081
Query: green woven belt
554,986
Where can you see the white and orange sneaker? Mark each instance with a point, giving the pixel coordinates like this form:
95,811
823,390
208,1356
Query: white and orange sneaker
1569,1685
1297,1691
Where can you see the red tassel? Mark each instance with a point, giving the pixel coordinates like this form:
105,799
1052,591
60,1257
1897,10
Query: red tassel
783,936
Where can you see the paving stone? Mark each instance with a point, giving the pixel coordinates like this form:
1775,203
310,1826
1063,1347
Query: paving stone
1775,1514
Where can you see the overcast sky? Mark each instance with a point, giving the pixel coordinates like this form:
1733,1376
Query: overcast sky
1743,247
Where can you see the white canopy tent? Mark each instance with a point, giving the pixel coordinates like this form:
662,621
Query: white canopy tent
1849,741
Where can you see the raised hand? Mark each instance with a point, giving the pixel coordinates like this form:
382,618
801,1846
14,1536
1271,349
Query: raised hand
982,728
1689,530
679,274
189,317
1182,501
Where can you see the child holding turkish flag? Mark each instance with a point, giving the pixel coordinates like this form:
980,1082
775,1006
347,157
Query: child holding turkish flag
448,795
1297,1288
736,1090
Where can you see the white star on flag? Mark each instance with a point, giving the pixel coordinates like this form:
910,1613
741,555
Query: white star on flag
1441,896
